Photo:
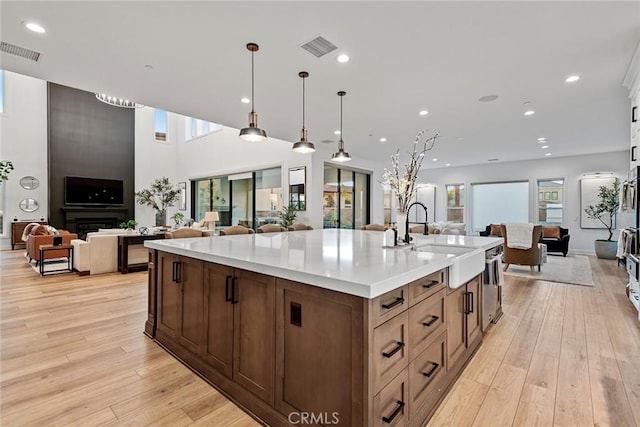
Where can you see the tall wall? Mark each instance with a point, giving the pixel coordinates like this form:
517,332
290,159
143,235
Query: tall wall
23,140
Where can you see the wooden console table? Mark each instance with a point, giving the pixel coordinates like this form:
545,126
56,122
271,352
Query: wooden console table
124,241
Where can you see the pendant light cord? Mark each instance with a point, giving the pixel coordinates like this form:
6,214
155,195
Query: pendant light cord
303,103
341,118
252,96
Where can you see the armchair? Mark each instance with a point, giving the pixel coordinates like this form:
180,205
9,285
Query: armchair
531,257
187,232
35,241
271,228
236,229
299,227
374,227
556,239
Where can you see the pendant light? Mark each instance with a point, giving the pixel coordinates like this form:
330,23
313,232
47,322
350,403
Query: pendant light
303,146
341,155
253,132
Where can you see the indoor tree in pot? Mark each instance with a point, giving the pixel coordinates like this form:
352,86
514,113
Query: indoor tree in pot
604,211
159,196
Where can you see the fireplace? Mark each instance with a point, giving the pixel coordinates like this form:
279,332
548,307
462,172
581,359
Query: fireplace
81,220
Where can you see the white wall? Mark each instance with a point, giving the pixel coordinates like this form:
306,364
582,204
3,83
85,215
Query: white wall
569,168
23,140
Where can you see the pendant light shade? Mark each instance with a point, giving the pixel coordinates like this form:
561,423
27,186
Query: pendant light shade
303,146
341,155
253,132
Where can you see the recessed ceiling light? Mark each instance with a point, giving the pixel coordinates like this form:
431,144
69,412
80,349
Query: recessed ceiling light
542,139
421,154
434,160
245,100
527,109
547,154
337,132
488,98
36,28
572,79
448,164
544,147
424,112
459,138
383,139
343,58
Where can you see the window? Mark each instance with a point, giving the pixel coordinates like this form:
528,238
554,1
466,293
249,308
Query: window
1,91
550,209
499,202
160,125
345,198
455,202
196,127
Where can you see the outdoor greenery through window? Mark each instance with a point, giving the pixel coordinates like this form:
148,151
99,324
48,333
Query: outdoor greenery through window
160,125
345,199
455,202
550,208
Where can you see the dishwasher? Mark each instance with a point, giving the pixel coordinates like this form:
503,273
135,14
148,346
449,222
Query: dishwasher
493,277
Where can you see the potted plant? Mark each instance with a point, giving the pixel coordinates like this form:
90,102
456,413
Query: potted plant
5,168
178,219
159,196
288,215
604,211
129,225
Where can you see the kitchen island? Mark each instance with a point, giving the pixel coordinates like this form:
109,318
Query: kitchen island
321,325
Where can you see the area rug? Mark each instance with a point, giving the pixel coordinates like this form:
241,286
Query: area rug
51,266
572,269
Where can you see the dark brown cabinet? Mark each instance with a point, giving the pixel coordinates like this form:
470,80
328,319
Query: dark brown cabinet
463,319
180,308
240,323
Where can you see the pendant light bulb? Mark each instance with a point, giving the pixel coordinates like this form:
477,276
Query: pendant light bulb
341,155
253,133
303,146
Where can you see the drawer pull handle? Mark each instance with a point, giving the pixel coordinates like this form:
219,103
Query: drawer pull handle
432,321
432,370
398,301
431,284
395,413
396,349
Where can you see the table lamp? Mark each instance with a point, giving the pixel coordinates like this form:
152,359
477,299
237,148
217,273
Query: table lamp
210,219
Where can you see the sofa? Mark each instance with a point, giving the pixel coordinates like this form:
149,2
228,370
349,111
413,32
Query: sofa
99,252
556,238
43,235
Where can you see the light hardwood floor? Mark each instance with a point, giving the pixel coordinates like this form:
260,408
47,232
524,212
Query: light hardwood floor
73,353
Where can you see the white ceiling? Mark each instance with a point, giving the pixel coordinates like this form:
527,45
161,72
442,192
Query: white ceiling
405,57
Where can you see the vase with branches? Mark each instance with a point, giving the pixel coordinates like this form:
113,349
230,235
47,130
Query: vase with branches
159,196
403,180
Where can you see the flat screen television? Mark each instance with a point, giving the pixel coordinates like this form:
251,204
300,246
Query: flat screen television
93,191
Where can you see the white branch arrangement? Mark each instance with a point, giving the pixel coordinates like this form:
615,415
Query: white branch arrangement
404,186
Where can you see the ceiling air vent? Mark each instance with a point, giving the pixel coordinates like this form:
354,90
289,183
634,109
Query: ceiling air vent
12,49
319,46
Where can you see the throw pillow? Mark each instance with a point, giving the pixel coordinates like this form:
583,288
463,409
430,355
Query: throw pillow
495,230
551,232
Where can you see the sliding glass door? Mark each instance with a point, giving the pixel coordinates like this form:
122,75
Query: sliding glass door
345,201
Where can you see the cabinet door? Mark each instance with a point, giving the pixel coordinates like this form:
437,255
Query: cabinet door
456,325
473,312
190,276
254,333
169,294
219,317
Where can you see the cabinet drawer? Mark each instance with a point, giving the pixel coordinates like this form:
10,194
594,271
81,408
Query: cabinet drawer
426,286
389,406
389,350
425,375
426,322
388,305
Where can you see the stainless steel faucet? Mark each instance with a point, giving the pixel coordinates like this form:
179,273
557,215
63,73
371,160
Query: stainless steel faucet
407,238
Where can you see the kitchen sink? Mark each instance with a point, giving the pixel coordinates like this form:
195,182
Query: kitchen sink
467,262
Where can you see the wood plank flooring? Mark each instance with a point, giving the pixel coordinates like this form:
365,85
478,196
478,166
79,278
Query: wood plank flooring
73,353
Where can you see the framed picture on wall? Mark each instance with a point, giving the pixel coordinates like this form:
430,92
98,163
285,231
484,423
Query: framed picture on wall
547,195
554,195
540,195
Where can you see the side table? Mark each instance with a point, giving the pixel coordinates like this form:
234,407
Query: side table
45,248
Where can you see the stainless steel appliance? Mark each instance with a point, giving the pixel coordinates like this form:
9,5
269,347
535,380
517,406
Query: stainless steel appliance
491,287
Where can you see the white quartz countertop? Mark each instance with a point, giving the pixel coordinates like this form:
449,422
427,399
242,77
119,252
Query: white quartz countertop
348,261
